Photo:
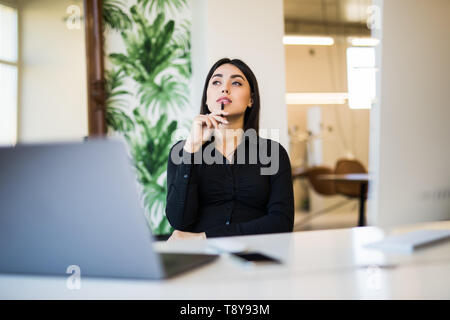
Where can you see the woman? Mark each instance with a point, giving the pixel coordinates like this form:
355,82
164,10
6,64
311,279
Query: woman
228,197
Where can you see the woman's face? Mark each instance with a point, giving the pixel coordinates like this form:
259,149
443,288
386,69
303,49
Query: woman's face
229,86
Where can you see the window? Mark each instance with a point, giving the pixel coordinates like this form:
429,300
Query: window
8,75
361,77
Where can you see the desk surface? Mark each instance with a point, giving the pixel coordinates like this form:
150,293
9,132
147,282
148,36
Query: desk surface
349,177
326,264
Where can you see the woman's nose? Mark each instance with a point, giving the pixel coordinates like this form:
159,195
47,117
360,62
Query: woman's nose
225,90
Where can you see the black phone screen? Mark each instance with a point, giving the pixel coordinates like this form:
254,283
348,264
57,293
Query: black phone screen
256,257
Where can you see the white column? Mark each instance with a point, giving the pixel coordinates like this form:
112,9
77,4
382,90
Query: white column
409,147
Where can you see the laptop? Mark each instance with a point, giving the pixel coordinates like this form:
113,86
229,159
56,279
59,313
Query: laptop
77,204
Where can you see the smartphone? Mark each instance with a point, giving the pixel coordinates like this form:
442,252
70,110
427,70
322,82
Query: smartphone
255,258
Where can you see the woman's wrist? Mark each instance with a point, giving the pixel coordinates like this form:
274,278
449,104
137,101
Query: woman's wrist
181,235
190,147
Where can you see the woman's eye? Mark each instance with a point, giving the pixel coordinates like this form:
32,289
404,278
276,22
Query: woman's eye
216,82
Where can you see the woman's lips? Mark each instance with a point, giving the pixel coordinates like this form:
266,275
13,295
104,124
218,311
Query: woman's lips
224,100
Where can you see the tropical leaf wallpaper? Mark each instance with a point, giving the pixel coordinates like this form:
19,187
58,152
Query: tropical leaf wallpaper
148,63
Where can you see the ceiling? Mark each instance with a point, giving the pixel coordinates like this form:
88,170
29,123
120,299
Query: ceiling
319,17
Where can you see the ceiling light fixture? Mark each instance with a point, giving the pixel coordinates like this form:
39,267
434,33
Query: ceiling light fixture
364,42
308,41
316,98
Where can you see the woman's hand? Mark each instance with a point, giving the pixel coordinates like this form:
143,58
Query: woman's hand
182,235
202,128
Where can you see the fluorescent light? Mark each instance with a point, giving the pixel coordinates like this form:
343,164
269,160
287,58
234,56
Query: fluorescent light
364,42
318,98
308,40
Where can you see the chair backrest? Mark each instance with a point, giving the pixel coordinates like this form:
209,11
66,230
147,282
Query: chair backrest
346,166
323,187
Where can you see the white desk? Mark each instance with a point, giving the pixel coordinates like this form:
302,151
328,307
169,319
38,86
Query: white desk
328,264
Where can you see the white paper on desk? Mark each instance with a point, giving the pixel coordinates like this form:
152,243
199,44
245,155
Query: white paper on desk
407,242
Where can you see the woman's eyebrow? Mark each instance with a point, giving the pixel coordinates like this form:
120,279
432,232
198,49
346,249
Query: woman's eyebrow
237,76
233,76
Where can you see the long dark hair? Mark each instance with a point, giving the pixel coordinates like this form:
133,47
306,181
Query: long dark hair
251,116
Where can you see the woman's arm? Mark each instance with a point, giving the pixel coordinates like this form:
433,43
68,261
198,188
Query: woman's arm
182,188
280,207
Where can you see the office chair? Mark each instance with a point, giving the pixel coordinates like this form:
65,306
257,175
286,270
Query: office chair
347,166
322,187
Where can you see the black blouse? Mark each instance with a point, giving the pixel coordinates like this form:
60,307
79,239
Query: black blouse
230,198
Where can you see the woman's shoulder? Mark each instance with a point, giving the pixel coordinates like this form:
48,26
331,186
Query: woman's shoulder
177,148
179,142
178,145
273,156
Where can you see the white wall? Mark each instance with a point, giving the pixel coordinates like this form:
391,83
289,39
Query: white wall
410,136
250,30
53,93
324,69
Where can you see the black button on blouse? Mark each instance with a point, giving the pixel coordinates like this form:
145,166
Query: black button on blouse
230,198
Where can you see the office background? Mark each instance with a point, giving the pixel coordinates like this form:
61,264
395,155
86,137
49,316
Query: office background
49,101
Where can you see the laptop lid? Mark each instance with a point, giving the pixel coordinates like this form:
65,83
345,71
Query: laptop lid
73,204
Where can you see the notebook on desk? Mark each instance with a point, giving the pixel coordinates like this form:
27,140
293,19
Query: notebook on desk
408,242
77,204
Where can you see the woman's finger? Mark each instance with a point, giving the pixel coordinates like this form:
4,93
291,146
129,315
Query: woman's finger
214,122
219,118
219,112
208,122
200,119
